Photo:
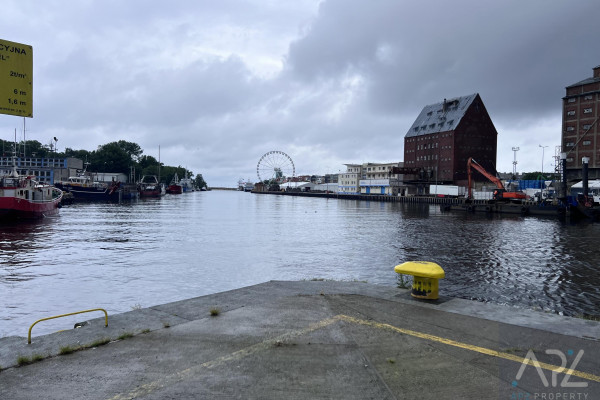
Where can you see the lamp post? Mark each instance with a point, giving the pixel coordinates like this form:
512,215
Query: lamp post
543,148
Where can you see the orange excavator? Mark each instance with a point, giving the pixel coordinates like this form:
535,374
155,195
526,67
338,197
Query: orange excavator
500,193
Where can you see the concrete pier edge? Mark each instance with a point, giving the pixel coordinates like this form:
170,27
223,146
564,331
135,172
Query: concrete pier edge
168,315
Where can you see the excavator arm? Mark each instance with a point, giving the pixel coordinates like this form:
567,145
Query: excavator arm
472,164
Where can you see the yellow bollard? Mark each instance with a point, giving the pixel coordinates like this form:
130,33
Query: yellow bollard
426,277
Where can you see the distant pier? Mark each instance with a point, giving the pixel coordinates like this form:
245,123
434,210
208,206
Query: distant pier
445,203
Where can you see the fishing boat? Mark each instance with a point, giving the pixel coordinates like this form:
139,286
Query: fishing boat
187,184
174,187
22,197
84,188
150,187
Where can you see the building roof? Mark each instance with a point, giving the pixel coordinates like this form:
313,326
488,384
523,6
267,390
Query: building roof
593,184
586,81
441,117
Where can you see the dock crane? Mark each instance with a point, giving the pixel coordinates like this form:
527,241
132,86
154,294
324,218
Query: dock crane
500,193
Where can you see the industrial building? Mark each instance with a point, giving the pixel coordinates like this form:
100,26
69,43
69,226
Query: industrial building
47,170
580,130
444,136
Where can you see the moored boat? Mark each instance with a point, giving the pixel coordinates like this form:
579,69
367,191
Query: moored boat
174,187
150,187
22,197
187,184
83,188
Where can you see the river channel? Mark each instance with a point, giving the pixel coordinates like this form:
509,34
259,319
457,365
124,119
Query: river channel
125,256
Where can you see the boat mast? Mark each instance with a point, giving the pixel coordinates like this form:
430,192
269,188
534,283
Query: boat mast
24,140
14,157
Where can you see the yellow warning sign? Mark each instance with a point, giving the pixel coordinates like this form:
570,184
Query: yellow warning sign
16,79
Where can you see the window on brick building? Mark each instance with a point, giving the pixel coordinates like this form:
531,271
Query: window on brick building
572,100
572,112
570,128
588,97
587,110
587,142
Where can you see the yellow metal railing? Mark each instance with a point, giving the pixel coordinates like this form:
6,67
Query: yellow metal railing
66,315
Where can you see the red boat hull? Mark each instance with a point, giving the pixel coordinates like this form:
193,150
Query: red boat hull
175,189
11,207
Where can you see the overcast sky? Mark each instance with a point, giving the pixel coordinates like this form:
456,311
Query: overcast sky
217,84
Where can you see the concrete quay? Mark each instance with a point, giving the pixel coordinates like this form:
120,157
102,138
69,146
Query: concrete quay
311,340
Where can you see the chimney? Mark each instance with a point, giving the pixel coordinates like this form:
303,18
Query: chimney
444,106
597,72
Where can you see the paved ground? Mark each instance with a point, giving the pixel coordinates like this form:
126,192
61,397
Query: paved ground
312,340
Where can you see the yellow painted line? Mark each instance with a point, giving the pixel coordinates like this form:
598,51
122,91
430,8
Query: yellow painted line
240,354
192,371
477,349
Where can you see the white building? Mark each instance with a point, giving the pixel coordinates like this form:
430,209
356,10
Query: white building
370,178
348,181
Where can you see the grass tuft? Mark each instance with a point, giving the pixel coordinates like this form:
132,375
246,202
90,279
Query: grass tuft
403,282
99,342
125,335
166,325
214,312
23,360
64,350
146,330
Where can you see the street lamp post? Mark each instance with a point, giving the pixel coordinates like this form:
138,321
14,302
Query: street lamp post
543,148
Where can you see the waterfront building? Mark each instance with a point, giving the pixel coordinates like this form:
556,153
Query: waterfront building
580,127
370,178
444,136
48,170
348,181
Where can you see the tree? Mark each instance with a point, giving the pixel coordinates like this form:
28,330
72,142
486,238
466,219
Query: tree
81,154
148,165
133,149
199,182
110,158
36,149
534,176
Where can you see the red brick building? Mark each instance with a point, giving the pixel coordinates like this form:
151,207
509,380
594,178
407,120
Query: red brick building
581,130
445,135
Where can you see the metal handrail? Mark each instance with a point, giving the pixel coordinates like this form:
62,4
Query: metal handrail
66,315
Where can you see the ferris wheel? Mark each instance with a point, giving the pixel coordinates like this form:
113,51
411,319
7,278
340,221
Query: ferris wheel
275,167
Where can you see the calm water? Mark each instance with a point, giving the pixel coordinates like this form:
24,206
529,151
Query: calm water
121,257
